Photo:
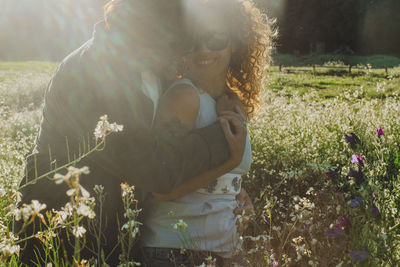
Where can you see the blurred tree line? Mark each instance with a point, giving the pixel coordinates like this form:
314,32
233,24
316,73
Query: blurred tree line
50,29
45,29
341,26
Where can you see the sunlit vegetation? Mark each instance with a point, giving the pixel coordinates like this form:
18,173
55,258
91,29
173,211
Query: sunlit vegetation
330,81
323,196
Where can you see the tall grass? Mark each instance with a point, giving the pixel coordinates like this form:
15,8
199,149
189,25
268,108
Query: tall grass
310,209
296,141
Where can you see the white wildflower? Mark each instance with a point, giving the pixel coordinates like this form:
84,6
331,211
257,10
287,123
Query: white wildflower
9,249
298,240
85,210
37,207
72,174
210,262
27,211
45,236
2,192
7,243
103,128
180,225
16,196
127,190
61,217
78,231
99,189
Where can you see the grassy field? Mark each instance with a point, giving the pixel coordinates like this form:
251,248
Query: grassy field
317,203
332,82
376,61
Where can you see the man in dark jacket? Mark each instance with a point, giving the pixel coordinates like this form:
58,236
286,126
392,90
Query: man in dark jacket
103,77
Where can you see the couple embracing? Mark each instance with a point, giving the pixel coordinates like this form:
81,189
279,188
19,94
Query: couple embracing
182,76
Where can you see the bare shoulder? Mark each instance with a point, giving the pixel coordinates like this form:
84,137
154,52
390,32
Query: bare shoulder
182,102
181,95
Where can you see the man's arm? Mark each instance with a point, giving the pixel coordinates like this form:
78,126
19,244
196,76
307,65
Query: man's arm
232,128
181,103
154,162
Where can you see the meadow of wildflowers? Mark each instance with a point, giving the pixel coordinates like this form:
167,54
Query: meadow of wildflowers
325,179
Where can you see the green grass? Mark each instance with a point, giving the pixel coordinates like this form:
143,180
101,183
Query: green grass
376,61
28,66
22,84
332,82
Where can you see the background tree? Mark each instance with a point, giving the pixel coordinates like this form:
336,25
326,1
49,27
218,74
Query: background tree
49,30
364,27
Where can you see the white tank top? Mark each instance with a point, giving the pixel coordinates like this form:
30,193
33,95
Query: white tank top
208,212
229,183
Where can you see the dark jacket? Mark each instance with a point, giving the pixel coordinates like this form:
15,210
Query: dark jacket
95,80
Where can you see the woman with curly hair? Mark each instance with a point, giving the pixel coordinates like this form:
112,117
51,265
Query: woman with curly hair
111,74
227,45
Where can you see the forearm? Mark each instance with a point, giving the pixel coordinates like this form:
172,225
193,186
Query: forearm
157,162
199,181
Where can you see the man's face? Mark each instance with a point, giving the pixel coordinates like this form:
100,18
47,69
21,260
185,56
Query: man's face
158,32
146,29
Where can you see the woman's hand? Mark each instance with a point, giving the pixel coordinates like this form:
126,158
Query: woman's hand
233,123
235,133
228,101
245,209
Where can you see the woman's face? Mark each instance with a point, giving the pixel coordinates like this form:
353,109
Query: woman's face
210,50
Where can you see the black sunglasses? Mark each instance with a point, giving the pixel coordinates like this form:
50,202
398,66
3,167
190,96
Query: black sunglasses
214,41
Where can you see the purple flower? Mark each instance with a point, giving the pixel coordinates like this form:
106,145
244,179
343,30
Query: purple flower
333,232
379,132
357,159
358,175
355,203
358,255
331,174
374,210
352,139
275,264
360,159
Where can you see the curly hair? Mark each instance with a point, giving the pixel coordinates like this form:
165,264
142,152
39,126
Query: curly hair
253,35
248,69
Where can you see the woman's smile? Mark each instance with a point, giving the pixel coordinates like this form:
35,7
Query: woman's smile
205,62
